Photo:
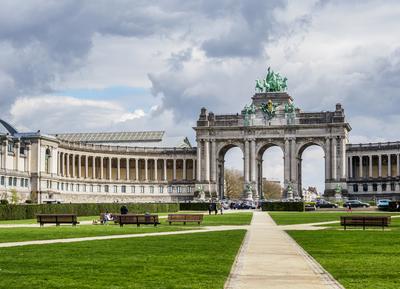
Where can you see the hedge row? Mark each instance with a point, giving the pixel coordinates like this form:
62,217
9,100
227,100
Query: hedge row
283,206
18,212
193,206
393,207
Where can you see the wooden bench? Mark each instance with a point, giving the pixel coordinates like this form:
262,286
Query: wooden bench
184,218
57,219
365,221
136,219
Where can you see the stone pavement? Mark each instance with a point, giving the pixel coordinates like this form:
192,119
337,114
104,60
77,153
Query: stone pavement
269,258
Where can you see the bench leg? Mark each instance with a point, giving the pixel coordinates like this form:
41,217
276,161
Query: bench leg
198,223
57,224
170,223
121,225
184,223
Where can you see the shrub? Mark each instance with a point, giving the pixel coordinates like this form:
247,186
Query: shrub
193,206
283,206
3,202
28,211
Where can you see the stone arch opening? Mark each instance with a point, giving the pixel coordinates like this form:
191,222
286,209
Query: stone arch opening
230,171
311,170
270,171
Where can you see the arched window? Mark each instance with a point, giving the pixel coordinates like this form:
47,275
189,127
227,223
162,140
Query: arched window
47,160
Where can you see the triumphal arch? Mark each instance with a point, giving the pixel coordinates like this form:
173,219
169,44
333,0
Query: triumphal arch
272,119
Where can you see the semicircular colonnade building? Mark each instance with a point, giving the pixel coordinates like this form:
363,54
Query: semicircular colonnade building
152,167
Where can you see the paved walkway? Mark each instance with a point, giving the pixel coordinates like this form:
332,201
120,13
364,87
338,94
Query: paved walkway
269,258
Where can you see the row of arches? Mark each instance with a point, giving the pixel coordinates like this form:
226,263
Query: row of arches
311,165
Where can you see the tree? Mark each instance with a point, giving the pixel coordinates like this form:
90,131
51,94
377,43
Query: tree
14,196
234,183
272,190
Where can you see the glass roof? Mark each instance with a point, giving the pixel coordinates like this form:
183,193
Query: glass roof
102,137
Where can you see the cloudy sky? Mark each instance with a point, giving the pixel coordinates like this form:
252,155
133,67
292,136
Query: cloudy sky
68,66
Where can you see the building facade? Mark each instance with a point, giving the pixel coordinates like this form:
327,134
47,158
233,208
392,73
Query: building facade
95,167
152,167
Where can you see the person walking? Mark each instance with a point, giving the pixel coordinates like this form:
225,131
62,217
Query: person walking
124,210
349,208
210,207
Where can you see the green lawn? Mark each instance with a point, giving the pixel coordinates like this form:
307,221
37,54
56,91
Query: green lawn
228,219
357,259
80,219
201,260
290,218
67,231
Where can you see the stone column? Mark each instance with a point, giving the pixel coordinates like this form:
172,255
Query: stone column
174,169
294,159
68,166
137,169
207,160
334,159
127,170
398,164
146,173
86,166
246,161
193,169
213,161
73,166
370,166
253,160
327,159
101,168
389,166
379,165
93,167
286,162
155,170
184,169
199,160
110,169
351,167
165,170
79,166
341,174
58,163
360,168
118,168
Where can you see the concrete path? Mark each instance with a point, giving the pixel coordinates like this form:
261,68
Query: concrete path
269,258
110,237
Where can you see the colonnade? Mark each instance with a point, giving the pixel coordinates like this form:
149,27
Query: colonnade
125,168
373,165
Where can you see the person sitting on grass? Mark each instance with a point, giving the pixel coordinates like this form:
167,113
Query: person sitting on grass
107,217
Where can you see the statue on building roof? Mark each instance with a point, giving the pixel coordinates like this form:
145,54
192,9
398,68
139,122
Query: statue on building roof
273,82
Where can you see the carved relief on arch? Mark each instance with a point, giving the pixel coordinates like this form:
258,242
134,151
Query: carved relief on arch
263,145
223,146
302,144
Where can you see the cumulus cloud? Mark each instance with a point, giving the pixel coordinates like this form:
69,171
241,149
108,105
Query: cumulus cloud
196,53
65,114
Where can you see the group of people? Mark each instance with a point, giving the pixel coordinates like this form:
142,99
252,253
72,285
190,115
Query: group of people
105,218
215,207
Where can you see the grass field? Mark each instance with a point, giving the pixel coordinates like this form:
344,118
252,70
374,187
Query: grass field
357,259
290,218
67,231
201,260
